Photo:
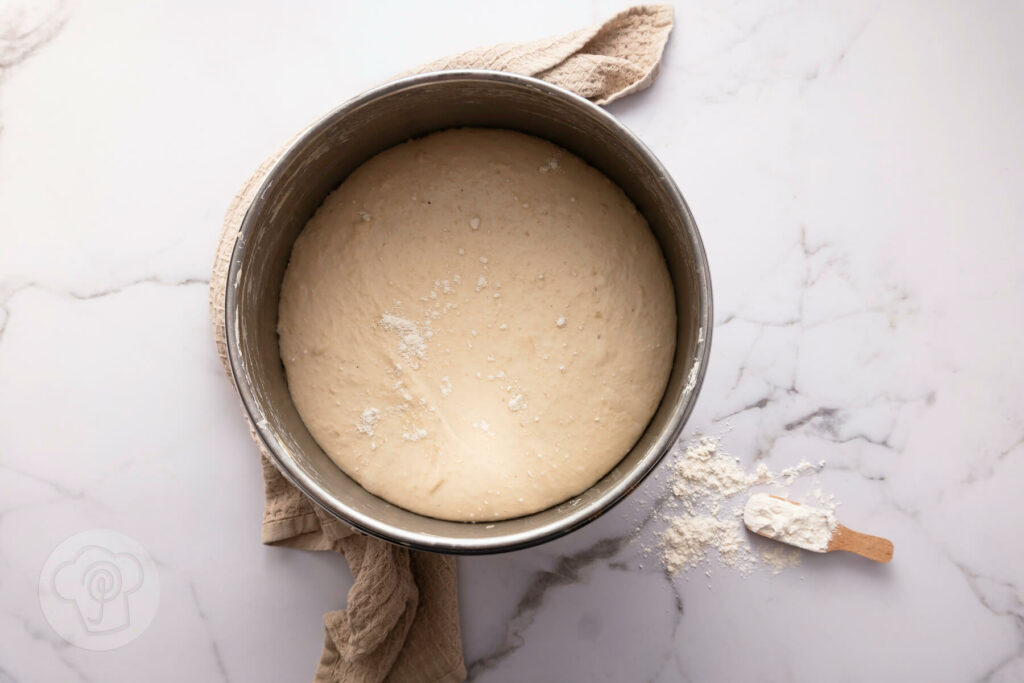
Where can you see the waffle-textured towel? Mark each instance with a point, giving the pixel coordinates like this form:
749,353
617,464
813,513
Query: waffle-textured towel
401,623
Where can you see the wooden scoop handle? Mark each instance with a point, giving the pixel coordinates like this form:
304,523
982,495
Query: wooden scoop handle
871,547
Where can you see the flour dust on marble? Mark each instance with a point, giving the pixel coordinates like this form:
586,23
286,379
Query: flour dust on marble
703,513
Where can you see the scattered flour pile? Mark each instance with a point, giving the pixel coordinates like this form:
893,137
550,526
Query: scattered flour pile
704,521
689,538
706,475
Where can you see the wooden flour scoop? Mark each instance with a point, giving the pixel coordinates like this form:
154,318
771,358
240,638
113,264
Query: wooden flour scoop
809,528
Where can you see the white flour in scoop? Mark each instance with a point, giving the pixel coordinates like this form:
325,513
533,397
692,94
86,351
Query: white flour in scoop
804,526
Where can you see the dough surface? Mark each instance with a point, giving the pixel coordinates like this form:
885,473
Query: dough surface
476,325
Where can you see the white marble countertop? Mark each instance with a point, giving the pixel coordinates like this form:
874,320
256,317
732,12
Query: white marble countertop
856,171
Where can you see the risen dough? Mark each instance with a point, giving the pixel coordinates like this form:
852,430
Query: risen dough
476,325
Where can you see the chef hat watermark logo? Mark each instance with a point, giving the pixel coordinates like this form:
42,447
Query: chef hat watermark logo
99,589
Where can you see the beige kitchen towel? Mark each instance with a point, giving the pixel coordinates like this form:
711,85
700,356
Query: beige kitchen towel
602,62
401,622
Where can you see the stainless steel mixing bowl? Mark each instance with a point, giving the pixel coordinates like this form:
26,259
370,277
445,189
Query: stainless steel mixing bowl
317,162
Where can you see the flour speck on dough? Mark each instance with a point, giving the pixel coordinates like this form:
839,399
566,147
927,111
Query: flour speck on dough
415,434
518,402
367,420
412,339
